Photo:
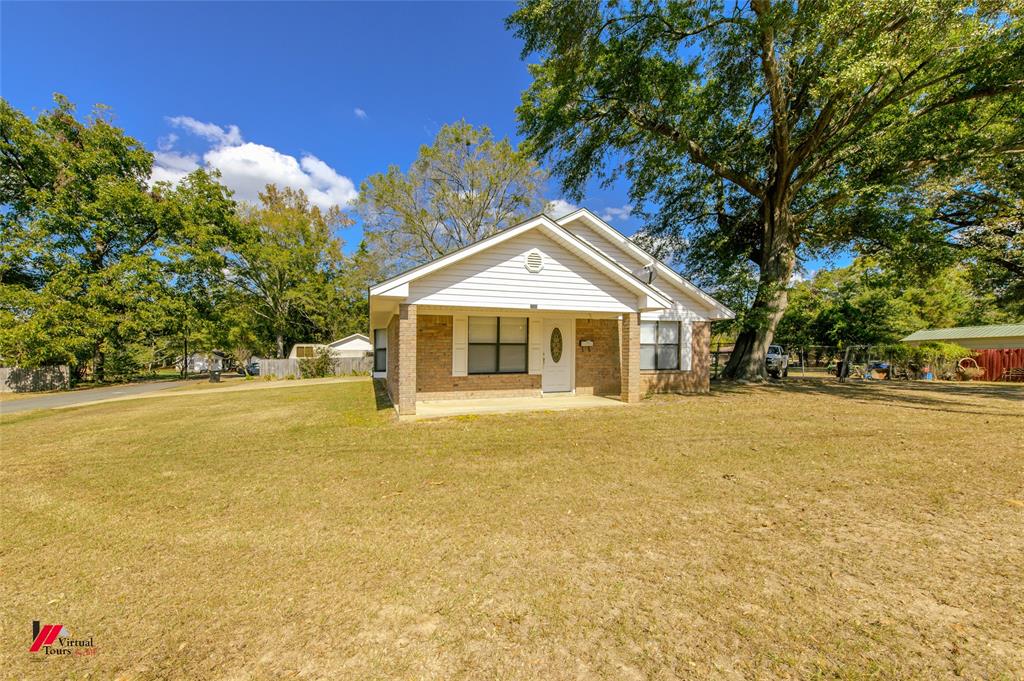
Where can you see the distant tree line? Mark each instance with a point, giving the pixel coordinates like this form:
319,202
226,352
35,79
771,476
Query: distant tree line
871,303
114,275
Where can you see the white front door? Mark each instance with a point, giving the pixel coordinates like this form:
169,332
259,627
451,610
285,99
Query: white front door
557,350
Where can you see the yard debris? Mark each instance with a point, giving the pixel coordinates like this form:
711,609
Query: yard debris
1015,502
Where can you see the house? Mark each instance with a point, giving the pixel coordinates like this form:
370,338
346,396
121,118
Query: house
547,306
200,362
354,345
999,348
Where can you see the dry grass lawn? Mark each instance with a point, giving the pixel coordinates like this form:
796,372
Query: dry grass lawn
811,531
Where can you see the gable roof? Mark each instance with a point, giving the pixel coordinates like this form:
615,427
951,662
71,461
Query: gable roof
398,285
360,336
627,245
967,333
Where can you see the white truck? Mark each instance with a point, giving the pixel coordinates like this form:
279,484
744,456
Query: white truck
777,362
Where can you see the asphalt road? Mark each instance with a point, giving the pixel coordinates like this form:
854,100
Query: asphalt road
73,397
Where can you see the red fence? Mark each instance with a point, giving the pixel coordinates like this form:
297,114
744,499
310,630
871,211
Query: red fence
995,362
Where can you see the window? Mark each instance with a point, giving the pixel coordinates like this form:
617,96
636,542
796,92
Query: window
659,346
304,351
497,345
380,349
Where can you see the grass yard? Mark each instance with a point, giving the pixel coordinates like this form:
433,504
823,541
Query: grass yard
811,530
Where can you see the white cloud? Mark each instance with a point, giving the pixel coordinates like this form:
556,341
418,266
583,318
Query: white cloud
360,113
800,276
559,207
170,166
166,143
247,168
613,213
210,131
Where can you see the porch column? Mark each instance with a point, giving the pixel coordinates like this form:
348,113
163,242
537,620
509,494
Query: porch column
629,357
406,350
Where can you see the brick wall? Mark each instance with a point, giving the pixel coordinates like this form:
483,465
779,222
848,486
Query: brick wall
407,356
434,380
697,380
597,367
629,358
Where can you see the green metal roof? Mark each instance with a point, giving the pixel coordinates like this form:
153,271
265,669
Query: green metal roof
964,332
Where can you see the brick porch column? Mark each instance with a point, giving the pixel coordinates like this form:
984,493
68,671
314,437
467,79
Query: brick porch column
629,358
406,392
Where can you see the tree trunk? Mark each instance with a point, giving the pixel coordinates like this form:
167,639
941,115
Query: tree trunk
748,355
98,369
280,346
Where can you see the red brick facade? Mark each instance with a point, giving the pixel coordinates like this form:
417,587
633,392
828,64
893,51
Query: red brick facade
629,357
434,378
697,380
597,367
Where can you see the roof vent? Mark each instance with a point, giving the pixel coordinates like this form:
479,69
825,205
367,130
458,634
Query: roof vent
534,261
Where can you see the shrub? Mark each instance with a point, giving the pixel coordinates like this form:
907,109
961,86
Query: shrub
322,364
289,377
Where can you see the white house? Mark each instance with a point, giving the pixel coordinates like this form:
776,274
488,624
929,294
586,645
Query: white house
355,345
547,306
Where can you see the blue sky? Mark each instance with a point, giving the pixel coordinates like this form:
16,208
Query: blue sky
319,95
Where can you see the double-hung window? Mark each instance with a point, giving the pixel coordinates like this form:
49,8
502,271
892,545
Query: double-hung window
659,345
380,349
497,345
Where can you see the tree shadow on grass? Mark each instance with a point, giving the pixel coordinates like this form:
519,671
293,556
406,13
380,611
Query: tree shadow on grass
958,397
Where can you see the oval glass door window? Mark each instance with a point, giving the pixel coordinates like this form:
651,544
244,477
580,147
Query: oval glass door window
556,345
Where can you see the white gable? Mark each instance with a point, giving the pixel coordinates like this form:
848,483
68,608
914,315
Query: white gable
583,230
498,277
356,341
686,304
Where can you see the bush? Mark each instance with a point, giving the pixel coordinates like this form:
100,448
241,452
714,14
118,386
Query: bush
119,365
321,365
942,358
289,377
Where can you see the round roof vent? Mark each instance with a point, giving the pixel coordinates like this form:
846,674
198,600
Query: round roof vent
534,261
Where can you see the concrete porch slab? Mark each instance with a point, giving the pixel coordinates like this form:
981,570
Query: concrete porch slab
434,409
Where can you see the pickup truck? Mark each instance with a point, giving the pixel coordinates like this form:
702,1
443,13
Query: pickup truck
777,362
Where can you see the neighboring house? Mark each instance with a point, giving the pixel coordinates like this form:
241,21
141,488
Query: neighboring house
199,362
543,307
355,345
999,347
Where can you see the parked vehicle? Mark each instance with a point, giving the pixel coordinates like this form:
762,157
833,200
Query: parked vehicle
253,367
777,362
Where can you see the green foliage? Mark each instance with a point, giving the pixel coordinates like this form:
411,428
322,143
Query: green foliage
321,365
104,270
91,250
285,260
767,132
462,188
868,304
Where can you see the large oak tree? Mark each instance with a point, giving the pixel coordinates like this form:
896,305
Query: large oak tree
765,131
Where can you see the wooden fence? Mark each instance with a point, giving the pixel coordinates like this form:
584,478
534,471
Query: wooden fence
343,366
18,380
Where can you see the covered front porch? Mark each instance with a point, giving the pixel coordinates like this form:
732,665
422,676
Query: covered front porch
443,360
